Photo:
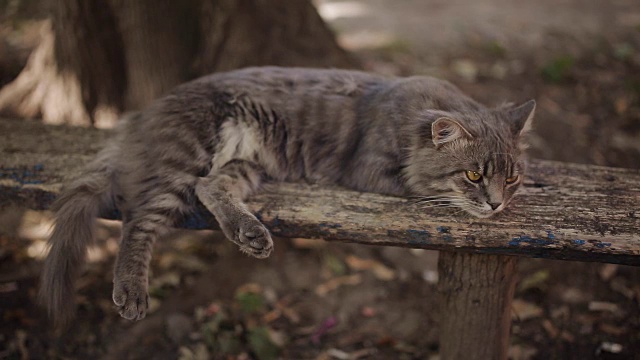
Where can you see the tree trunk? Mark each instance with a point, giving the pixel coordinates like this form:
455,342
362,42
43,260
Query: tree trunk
239,33
159,47
102,56
75,75
476,291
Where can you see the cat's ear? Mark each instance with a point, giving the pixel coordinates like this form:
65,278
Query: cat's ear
521,117
445,130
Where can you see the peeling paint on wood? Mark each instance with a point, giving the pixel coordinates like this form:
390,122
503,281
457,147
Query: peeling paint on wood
563,211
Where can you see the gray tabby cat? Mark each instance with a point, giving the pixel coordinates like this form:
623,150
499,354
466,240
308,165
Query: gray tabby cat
216,139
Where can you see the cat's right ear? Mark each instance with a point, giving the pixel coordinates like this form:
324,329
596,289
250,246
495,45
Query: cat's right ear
521,117
445,130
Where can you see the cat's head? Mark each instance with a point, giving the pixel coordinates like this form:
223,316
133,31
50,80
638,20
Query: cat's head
472,160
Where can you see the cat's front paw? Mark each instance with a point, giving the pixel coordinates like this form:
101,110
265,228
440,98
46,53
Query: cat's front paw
253,238
131,296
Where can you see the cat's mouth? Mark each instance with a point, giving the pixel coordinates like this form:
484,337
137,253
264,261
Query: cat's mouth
453,201
482,213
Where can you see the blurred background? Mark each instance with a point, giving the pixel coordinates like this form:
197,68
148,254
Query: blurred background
83,63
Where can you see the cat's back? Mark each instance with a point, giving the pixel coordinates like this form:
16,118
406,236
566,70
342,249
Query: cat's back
426,92
285,80
210,100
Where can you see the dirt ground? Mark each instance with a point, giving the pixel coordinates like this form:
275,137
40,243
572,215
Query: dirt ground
580,59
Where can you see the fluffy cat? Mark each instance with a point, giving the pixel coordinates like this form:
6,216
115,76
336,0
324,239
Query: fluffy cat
215,139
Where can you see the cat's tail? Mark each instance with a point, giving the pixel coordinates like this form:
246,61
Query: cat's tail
75,210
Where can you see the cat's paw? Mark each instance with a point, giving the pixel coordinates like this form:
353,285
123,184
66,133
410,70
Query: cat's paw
253,238
131,297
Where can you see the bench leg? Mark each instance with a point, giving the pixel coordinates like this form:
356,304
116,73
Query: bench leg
476,291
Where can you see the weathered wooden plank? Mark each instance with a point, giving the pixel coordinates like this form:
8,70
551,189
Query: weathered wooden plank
563,211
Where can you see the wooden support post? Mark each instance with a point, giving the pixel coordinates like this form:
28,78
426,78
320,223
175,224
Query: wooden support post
476,291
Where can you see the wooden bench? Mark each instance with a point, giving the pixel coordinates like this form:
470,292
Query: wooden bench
563,211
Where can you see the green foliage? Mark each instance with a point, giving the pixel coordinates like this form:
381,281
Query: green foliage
260,342
158,292
536,280
496,49
221,336
623,51
633,86
335,265
250,302
396,46
210,329
558,69
228,342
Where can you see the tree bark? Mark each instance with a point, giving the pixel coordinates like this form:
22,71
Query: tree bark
475,295
75,75
102,56
160,40
239,33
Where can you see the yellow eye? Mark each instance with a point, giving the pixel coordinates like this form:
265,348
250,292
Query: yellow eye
512,179
473,176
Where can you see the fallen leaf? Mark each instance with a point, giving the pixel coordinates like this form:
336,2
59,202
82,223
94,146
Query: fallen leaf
523,310
567,336
272,315
619,285
536,280
562,312
291,314
573,296
333,284
184,353
621,105
550,328
380,271
386,341
358,354
368,311
338,354
302,243
613,330
522,352
607,271
279,338
609,347
603,306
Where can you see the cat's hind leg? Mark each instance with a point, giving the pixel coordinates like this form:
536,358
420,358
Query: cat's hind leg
141,228
222,193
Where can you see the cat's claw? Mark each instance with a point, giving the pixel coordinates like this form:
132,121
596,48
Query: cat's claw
254,239
131,298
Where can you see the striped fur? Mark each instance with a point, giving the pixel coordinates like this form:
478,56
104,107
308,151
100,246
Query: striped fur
215,139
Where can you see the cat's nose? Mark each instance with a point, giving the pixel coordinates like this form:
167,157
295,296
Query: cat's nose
494,205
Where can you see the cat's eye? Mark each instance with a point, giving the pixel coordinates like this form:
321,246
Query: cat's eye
473,176
513,179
